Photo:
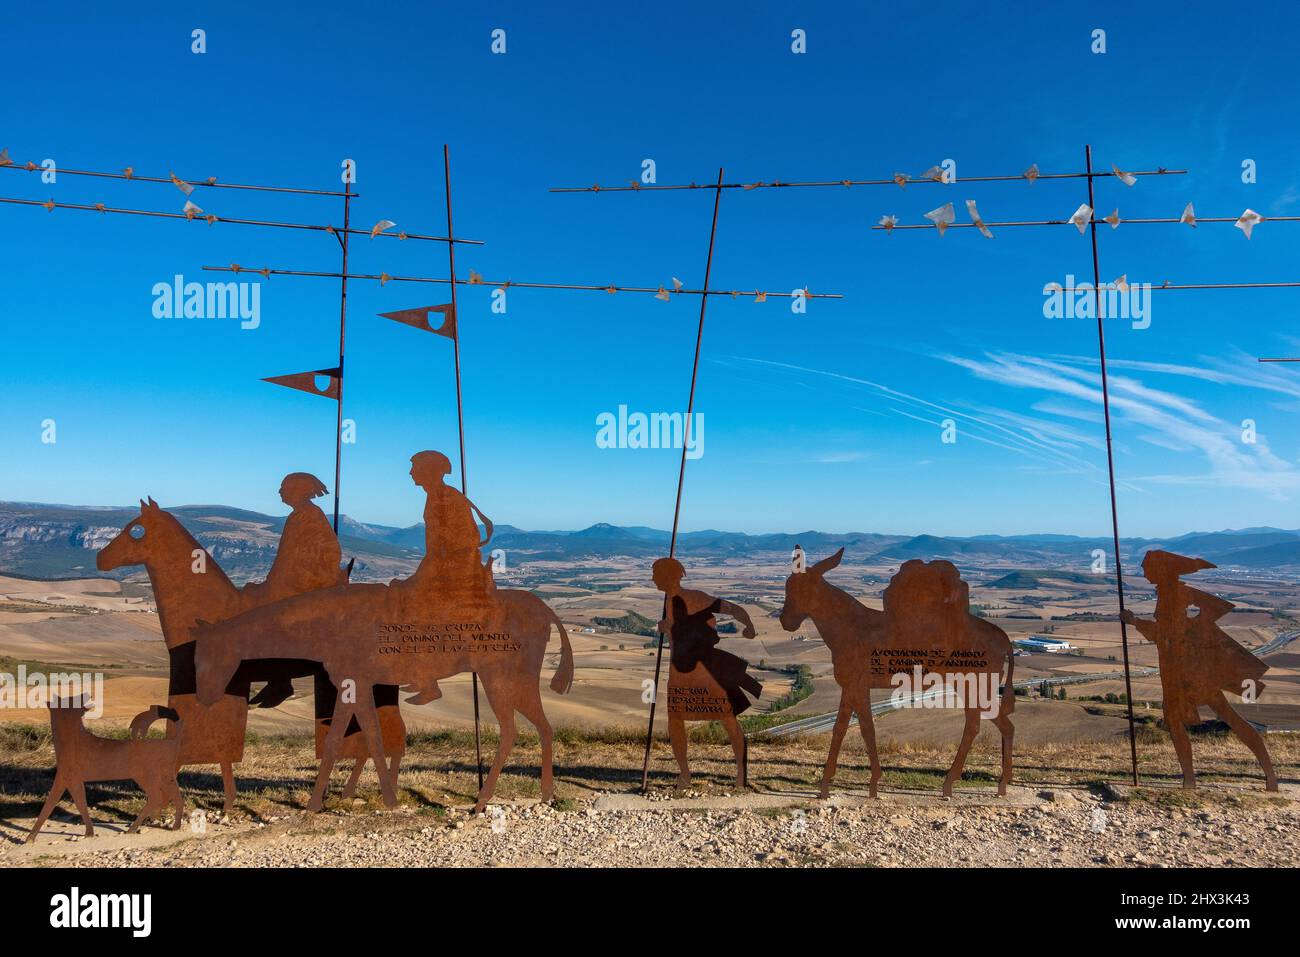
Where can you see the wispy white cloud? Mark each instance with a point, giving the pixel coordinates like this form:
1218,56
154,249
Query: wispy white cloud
1170,421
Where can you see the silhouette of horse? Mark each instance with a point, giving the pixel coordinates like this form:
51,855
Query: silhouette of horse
928,611
374,634
189,585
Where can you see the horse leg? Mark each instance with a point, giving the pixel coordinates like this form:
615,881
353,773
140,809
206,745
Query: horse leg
329,752
867,725
178,802
228,786
78,790
1008,730
532,710
51,802
1183,748
350,789
368,718
959,762
1249,736
737,746
837,738
509,731
677,733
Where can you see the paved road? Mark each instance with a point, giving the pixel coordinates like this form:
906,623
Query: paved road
821,723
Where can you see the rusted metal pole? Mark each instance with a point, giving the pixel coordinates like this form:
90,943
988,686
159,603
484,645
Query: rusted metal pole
681,479
1110,469
343,326
460,417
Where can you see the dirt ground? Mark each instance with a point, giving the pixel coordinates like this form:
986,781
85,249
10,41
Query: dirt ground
1063,808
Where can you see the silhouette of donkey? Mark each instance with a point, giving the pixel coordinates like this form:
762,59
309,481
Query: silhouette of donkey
926,608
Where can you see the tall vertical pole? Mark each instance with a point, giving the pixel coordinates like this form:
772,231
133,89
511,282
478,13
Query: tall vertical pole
343,325
681,475
1110,466
460,415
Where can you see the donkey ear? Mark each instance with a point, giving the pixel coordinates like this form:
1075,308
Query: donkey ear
826,564
152,504
143,506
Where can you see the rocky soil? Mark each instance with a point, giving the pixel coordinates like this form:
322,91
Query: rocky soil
1063,827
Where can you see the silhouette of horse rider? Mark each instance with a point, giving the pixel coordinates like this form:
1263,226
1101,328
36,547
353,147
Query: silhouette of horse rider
451,580
307,559
693,631
452,556
1199,661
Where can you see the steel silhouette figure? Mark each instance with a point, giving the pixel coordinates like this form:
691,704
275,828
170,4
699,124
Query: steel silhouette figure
926,625
452,547
309,554
83,758
1199,661
188,589
705,683
446,619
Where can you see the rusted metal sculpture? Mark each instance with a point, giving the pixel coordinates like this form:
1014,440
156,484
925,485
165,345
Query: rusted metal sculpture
84,758
1199,661
188,586
705,683
925,629
448,618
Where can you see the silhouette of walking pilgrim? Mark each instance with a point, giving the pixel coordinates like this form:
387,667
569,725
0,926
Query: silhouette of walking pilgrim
705,683
1199,661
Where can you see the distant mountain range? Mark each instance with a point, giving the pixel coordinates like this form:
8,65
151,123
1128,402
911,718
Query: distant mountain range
60,541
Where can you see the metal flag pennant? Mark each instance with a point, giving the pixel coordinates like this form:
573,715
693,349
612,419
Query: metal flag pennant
419,318
1128,179
975,218
1082,216
942,217
306,382
180,184
1113,219
1031,174
1189,216
1248,221
380,226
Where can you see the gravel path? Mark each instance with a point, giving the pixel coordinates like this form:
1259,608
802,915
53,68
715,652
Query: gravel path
1069,827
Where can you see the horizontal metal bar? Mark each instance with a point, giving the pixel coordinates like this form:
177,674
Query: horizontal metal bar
777,184
1099,222
1201,285
209,182
385,278
225,219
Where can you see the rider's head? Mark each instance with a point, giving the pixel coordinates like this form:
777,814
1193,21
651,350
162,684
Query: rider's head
429,468
667,574
299,488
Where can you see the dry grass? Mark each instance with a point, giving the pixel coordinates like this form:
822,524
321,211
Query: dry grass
439,770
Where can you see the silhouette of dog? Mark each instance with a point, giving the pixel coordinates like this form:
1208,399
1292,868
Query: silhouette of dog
83,757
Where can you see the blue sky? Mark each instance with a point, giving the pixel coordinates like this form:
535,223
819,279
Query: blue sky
829,420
